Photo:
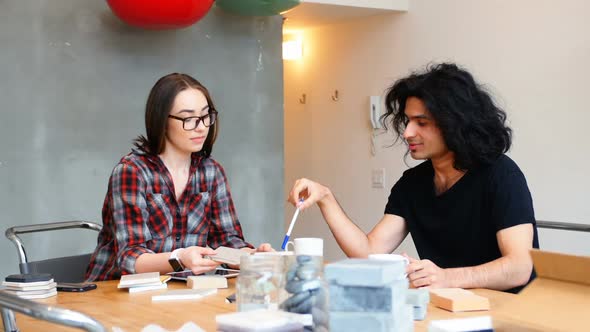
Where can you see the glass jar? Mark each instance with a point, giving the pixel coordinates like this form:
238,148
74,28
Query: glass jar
308,291
260,283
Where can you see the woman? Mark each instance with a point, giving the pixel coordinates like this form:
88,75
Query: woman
168,200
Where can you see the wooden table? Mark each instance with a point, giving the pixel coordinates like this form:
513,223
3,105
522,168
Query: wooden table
498,299
132,312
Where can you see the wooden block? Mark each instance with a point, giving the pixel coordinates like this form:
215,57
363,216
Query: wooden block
202,282
458,299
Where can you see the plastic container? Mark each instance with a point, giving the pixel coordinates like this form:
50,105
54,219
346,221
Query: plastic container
261,282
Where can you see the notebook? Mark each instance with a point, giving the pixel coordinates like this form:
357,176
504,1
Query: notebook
27,287
42,294
27,284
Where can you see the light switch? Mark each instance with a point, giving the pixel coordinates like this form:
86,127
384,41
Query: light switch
378,178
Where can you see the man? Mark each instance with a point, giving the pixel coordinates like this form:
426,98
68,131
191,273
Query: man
468,206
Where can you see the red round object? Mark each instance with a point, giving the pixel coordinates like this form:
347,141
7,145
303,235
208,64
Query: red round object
160,14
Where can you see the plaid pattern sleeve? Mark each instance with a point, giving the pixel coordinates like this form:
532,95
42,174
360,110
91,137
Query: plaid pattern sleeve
224,228
125,230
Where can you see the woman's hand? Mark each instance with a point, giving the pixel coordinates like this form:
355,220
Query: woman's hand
192,258
264,247
305,193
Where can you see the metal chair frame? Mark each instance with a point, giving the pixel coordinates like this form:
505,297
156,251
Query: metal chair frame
12,235
10,302
563,226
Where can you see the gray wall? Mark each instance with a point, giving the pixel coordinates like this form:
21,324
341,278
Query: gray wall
73,84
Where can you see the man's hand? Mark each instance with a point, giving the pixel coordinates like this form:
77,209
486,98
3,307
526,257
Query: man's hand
424,273
308,191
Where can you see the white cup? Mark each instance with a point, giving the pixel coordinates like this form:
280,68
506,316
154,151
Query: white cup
391,258
312,246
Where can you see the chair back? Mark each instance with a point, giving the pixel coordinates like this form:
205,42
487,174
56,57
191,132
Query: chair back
63,269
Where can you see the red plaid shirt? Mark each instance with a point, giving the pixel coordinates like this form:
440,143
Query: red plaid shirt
141,215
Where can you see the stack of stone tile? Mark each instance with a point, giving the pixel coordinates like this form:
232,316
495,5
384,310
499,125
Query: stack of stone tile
368,295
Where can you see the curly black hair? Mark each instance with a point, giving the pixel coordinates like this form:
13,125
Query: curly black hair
472,126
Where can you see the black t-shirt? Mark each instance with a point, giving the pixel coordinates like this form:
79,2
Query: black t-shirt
458,228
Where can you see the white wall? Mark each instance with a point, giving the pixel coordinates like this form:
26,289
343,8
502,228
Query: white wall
533,55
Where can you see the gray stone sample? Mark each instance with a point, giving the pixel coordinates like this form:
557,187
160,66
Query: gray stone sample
361,321
307,272
298,286
320,317
368,299
364,272
373,321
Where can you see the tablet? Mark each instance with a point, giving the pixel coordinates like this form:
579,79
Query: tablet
220,271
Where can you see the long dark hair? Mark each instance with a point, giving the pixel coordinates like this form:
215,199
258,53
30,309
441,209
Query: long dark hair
472,126
158,107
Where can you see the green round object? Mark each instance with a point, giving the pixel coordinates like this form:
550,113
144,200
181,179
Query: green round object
257,7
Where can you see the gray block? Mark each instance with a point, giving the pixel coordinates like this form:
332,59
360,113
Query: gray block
368,299
320,317
298,286
295,300
308,272
417,297
301,259
292,273
369,321
420,312
400,320
364,272
355,321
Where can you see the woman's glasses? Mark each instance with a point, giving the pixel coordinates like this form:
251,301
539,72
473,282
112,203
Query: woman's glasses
192,122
